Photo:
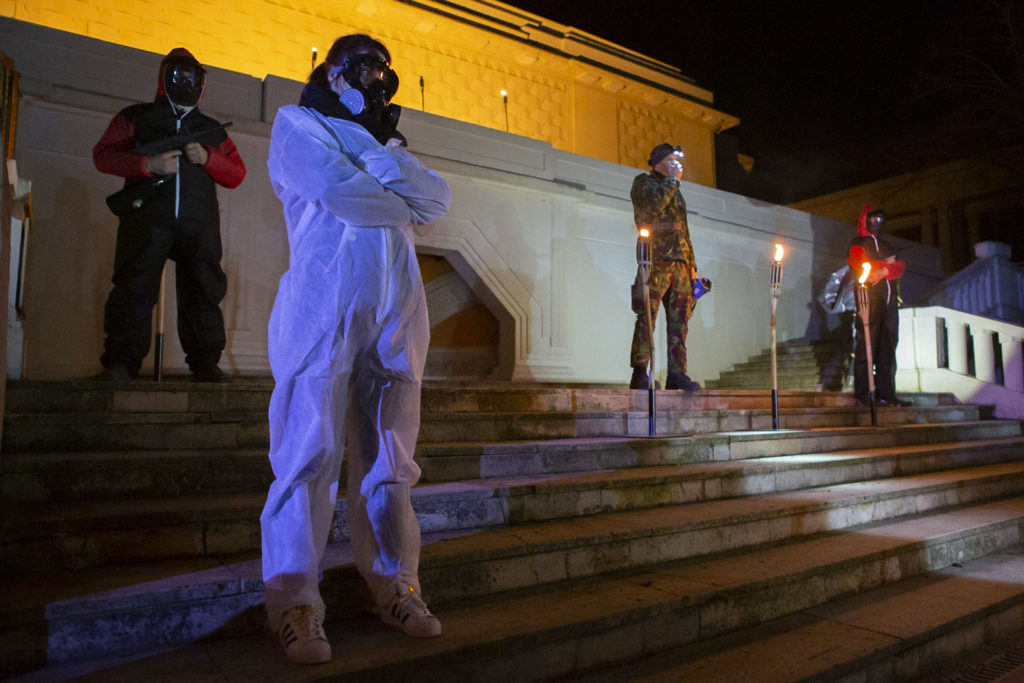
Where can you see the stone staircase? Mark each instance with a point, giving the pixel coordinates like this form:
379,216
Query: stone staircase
802,365
559,540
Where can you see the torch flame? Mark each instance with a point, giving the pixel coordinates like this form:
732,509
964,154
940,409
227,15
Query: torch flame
644,232
778,252
864,276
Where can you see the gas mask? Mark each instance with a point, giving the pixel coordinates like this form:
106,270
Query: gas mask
372,84
875,222
184,82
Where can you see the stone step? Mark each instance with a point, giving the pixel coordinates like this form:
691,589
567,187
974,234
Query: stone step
764,383
792,363
248,394
790,379
460,461
82,535
73,536
56,432
525,634
63,477
67,535
35,478
920,628
252,396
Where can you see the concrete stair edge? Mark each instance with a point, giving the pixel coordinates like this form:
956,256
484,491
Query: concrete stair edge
647,611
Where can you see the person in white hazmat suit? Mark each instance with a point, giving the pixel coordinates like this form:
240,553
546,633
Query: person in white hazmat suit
347,343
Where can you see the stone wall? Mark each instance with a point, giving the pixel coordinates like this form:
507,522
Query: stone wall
571,89
543,238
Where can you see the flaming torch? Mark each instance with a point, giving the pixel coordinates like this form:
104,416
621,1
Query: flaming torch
774,288
864,312
643,259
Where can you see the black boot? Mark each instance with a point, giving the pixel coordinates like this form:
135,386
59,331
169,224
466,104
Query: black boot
680,381
639,380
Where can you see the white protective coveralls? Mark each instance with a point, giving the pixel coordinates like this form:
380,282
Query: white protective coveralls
348,339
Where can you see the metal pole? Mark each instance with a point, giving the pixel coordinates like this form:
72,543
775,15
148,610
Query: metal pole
864,311
774,288
158,349
643,257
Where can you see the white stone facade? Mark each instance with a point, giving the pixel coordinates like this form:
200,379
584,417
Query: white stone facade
544,238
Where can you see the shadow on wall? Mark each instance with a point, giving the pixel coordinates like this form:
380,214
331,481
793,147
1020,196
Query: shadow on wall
464,334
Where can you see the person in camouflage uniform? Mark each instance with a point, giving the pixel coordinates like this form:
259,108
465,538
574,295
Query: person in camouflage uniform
659,206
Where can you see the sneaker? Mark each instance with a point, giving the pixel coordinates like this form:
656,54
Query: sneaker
408,612
639,379
302,635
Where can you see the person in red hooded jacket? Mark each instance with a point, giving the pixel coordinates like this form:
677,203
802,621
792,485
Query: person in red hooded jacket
883,315
180,221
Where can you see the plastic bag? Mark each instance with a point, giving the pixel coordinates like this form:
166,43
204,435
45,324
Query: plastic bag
838,293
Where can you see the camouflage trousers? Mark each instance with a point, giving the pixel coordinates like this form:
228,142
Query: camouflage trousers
669,283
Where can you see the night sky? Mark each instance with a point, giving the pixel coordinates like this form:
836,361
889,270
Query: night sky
822,86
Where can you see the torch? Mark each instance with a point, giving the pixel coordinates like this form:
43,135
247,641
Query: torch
504,98
774,288
643,260
864,311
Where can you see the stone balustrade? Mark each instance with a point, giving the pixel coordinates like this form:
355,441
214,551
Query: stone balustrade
992,286
978,359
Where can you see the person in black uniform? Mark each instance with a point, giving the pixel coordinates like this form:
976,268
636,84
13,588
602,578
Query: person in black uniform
178,220
883,302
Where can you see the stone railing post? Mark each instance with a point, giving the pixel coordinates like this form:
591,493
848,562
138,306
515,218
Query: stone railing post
956,341
925,343
1013,363
984,355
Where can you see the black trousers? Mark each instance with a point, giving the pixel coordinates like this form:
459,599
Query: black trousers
883,325
143,247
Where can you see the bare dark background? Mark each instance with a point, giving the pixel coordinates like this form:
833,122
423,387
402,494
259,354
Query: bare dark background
833,93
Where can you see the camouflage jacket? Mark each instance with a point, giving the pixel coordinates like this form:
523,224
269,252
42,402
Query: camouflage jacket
659,205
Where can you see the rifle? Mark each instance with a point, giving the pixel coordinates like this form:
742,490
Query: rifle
175,141
132,198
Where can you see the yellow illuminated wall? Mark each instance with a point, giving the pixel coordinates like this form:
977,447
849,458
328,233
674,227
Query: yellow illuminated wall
574,90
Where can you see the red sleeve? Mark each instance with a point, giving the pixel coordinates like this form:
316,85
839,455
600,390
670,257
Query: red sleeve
113,153
224,164
857,259
896,269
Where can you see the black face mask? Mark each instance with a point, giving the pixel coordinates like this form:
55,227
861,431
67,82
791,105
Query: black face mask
372,85
876,225
184,82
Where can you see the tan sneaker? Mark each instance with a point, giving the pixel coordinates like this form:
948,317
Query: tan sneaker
302,635
408,612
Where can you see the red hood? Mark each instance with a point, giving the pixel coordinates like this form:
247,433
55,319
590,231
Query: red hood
862,222
176,53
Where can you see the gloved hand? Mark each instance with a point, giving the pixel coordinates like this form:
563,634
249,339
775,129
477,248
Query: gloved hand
196,153
163,164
